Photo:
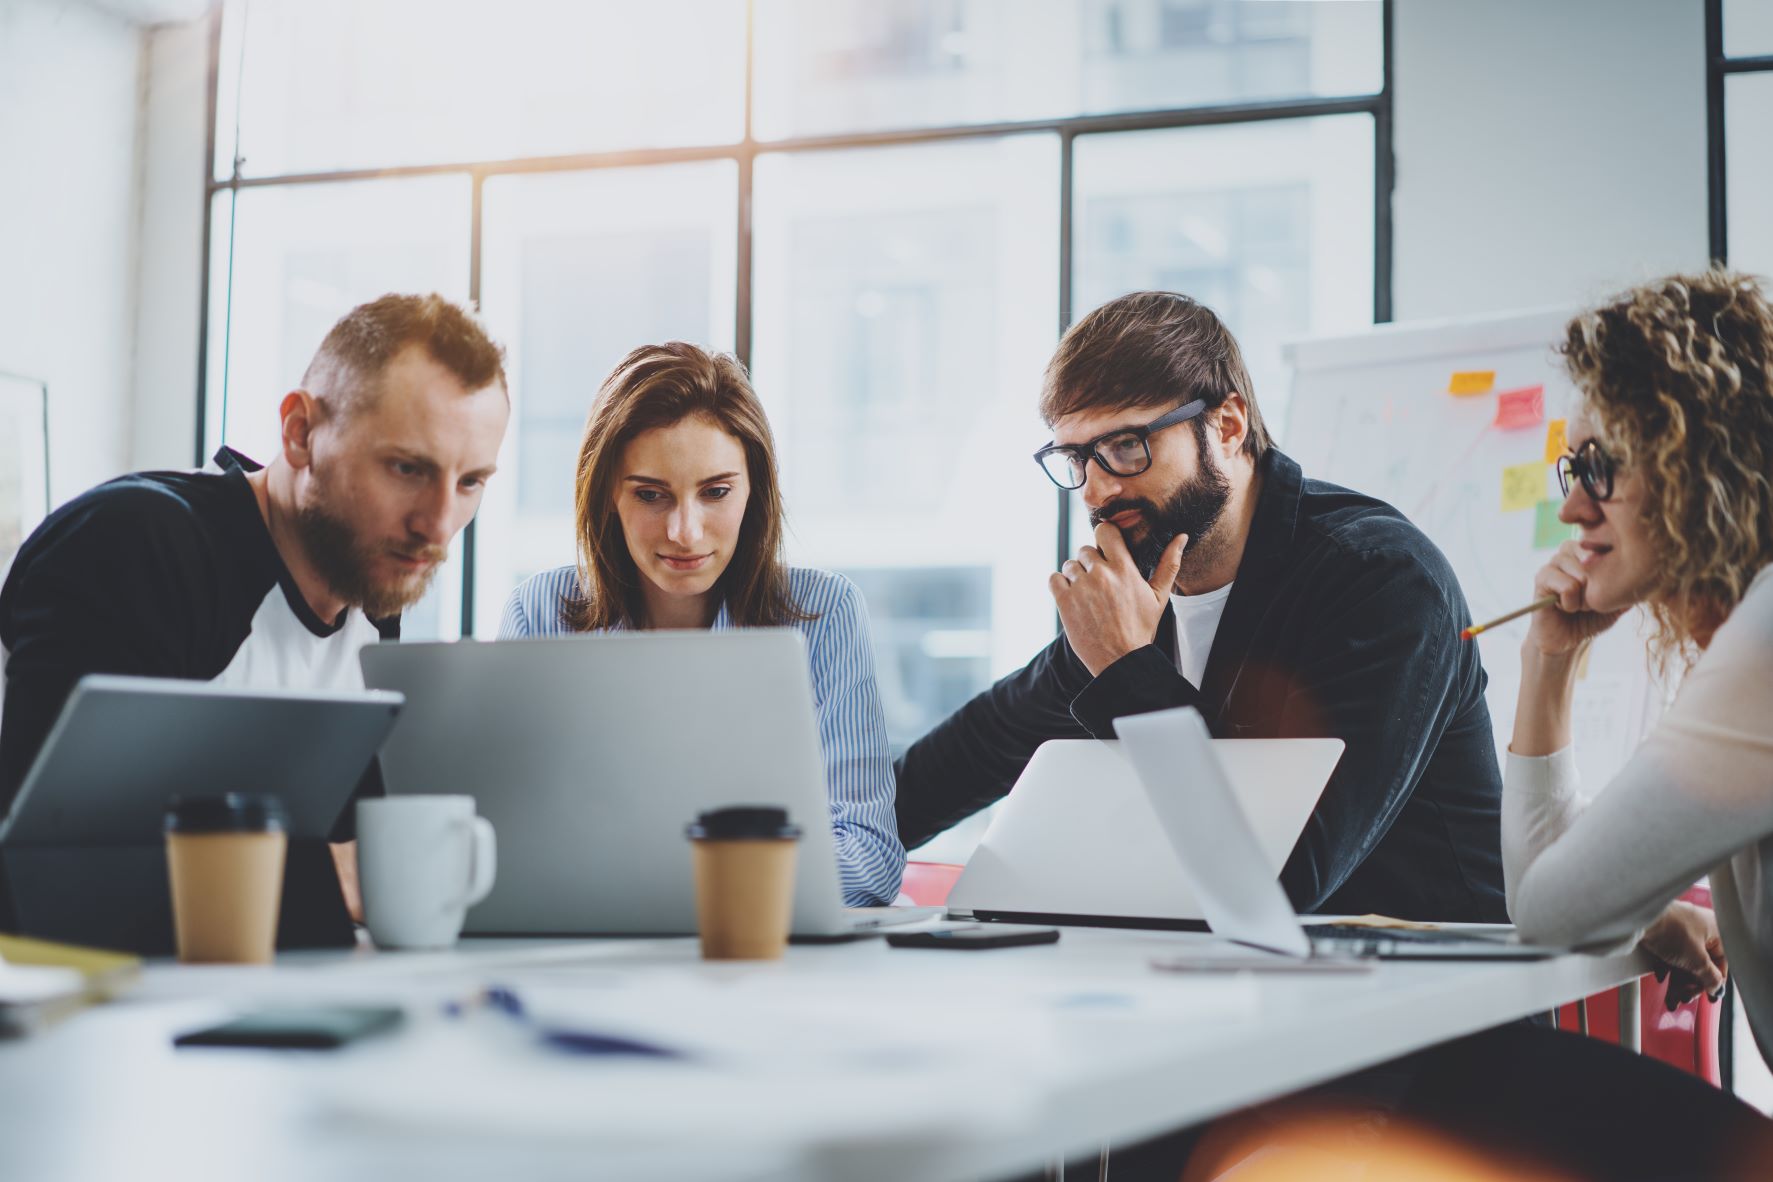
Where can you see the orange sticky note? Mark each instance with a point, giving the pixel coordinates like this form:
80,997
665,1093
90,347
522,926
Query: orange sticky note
1520,408
1523,486
1472,381
1555,446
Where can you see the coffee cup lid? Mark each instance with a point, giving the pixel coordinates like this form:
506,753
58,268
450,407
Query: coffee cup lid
235,812
741,822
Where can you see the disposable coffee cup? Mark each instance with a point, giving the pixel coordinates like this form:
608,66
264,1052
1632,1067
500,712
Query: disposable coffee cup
744,865
224,856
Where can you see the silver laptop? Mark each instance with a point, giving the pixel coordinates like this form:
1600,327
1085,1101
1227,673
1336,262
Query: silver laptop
1216,847
589,755
1076,841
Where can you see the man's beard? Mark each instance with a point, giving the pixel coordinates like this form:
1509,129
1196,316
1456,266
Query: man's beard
1193,509
345,561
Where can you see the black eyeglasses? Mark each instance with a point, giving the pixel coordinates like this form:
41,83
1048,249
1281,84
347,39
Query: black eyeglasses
1125,452
1592,466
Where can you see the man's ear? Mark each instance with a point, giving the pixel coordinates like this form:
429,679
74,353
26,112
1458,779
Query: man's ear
1233,424
300,414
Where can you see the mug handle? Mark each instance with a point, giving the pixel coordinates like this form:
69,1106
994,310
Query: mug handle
482,860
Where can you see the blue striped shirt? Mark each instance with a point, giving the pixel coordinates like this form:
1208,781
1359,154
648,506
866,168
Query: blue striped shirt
852,726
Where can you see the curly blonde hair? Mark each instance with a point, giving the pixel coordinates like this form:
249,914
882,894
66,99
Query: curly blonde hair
1678,374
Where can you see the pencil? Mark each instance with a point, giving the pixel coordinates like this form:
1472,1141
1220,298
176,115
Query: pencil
1536,605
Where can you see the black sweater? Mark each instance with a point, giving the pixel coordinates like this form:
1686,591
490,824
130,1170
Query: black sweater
1343,621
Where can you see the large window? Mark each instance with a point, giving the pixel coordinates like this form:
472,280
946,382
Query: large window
892,226
1739,37
577,268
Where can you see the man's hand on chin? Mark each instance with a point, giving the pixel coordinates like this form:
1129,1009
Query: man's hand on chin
1108,610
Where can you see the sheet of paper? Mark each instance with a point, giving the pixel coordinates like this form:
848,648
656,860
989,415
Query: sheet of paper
1523,486
1472,381
1555,446
1548,532
1520,408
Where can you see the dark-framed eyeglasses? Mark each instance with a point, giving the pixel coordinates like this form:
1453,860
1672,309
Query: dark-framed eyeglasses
1122,452
1591,466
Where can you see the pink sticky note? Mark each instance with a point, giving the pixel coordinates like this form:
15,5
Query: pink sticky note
1520,408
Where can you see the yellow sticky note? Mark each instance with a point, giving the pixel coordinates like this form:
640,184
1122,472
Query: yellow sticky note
1554,441
1523,486
1472,381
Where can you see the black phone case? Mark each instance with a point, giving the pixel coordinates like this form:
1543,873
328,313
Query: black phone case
319,1028
971,941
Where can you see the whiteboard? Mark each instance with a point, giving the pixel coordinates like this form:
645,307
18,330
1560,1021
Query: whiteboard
1372,411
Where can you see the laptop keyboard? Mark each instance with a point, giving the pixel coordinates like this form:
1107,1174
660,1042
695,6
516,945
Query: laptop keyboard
1347,939
1355,931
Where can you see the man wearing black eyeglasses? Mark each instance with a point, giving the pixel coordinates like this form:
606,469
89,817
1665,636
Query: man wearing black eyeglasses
1221,578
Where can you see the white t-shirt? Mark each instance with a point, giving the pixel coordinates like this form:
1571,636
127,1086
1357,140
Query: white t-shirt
1197,622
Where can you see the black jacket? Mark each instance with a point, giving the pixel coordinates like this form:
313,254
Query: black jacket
1344,621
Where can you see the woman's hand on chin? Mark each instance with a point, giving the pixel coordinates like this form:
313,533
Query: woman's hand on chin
1563,628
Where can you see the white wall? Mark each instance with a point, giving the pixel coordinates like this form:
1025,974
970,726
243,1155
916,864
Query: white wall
68,76
1548,151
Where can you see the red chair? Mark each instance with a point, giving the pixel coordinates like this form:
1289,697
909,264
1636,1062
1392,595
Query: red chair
1686,1038
928,883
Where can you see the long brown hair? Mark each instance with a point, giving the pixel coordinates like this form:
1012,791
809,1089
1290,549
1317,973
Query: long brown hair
1679,376
659,386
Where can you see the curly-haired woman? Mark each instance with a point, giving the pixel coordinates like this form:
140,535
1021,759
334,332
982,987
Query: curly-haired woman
1669,482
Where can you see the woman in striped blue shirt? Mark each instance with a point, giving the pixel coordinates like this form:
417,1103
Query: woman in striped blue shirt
679,523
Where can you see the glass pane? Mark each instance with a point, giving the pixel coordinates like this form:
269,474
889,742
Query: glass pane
1748,28
906,302
579,268
304,255
1748,159
827,66
1270,225
323,85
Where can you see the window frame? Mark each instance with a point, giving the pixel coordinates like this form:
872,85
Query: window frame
1719,67
748,149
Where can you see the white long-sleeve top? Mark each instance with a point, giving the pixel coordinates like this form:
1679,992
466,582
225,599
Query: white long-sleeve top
1696,798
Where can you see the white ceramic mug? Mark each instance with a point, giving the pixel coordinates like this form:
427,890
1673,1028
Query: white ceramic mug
422,861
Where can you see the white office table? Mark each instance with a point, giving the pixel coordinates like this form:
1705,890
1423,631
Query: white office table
854,1060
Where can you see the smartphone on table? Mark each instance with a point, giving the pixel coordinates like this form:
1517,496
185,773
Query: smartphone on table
975,937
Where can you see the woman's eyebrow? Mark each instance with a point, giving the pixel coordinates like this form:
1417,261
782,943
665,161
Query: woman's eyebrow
662,480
